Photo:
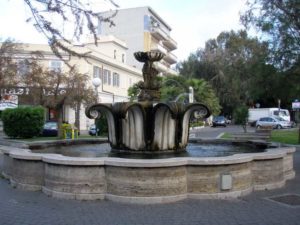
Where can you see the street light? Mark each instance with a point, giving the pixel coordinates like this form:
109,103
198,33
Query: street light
96,82
191,94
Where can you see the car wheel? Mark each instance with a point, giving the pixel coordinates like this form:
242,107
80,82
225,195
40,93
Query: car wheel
278,126
258,127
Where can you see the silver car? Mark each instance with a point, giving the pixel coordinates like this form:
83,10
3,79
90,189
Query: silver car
274,121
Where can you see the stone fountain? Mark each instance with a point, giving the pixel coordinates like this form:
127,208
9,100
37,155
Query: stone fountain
148,126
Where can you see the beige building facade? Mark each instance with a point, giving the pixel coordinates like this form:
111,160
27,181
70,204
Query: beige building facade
106,61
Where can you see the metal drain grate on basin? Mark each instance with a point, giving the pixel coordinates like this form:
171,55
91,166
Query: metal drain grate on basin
290,199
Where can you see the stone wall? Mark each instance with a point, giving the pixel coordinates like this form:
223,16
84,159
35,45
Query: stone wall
146,181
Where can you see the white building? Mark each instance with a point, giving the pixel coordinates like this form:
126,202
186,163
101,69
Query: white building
143,30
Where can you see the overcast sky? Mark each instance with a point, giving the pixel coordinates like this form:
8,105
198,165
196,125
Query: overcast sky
192,21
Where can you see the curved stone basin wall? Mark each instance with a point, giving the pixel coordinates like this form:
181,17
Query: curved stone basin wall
147,181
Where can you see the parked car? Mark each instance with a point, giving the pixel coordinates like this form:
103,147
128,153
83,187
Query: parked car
93,130
275,121
50,129
219,121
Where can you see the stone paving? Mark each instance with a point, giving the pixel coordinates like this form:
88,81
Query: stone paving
19,207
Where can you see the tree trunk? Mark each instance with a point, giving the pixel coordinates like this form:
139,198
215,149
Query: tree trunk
245,128
299,135
77,116
59,110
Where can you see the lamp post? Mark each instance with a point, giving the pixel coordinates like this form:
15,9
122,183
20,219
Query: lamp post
191,94
96,82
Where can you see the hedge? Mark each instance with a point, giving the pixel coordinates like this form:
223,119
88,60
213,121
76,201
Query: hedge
23,122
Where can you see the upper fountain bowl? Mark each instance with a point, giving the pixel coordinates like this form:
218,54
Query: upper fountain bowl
148,56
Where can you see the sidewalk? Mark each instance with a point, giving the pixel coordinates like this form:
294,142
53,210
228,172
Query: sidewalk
19,207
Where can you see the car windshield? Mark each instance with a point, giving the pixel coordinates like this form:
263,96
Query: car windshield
279,118
50,125
281,113
220,118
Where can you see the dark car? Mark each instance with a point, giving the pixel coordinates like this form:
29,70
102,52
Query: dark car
50,129
219,121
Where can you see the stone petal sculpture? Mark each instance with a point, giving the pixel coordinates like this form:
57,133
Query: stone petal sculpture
148,125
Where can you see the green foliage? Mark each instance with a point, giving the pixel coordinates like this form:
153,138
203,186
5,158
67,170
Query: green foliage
279,24
240,115
23,122
235,65
176,88
133,92
102,126
197,124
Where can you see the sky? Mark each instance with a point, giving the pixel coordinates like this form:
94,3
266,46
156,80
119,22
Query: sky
193,22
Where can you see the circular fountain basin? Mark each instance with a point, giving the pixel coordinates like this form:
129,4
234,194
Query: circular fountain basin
198,149
142,180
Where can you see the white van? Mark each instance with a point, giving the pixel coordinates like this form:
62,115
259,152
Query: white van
255,114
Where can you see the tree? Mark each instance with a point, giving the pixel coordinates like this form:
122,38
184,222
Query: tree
176,88
82,94
230,64
133,92
54,89
48,88
72,14
241,116
8,66
279,23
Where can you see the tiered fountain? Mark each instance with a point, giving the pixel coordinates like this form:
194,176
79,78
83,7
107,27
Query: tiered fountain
148,126
143,127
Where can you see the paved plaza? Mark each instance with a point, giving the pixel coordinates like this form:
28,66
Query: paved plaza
19,207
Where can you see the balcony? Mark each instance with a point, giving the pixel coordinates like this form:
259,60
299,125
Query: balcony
170,43
158,33
158,47
161,67
170,58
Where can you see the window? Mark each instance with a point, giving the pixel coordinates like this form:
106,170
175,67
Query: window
23,67
123,58
115,54
97,72
130,82
116,79
55,65
107,77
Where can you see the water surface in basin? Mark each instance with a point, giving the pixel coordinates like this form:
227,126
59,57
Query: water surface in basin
193,150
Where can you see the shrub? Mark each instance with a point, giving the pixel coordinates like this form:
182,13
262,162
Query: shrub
102,126
23,122
197,124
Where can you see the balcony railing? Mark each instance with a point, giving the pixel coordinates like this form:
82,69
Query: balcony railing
159,48
161,67
159,33
170,43
170,58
